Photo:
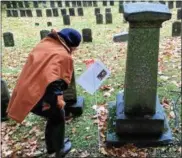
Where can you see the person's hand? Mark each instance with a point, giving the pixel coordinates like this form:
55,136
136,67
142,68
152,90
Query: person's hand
61,102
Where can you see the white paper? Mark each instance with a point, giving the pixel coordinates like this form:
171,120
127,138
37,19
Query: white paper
93,77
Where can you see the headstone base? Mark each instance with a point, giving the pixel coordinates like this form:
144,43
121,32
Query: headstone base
76,108
114,140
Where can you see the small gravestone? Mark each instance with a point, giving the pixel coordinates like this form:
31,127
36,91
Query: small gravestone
8,4
99,19
63,12
176,29
44,33
14,4
108,17
121,37
39,12
15,13
22,13
20,4
171,4
52,4
5,96
112,3
44,4
179,14
71,11
26,4
87,35
74,4
120,8
9,13
49,23
8,39
59,4
36,24
49,12
35,4
95,4
97,11
29,13
66,19
80,11
55,12
79,3
89,3
84,3
178,4
67,3
104,3
108,10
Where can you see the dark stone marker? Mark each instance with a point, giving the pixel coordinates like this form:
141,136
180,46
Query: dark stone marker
55,12
14,4
84,3
49,23
20,4
176,29
29,13
79,3
179,14
22,13
39,12
138,115
26,3
35,4
49,12
5,96
60,4
74,4
8,39
89,3
121,8
87,35
112,3
44,33
52,4
80,11
178,4
44,4
63,12
108,18
104,3
99,19
71,11
8,4
15,13
66,19
67,3
36,24
95,4
97,11
171,4
108,10
9,13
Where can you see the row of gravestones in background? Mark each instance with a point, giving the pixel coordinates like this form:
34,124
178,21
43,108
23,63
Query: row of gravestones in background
36,4
86,34
55,12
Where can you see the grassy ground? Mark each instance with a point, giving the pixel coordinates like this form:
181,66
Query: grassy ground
82,130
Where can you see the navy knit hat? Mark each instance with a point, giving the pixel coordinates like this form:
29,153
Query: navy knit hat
70,36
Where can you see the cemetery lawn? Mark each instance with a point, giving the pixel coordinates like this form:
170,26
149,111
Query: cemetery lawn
27,139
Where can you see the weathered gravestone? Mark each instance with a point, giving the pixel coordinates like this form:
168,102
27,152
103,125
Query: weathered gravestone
9,13
36,24
20,4
29,13
95,4
176,28
89,3
52,4
99,19
44,4
171,4
74,104
84,3
137,117
178,4
39,12
66,19
55,12
121,37
8,4
22,13
8,39
120,7
14,4
71,11
26,3
97,11
74,4
49,12
5,96
104,3
179,14
79,3
44,33
63,12
112,3
107,10
49,23
80,11
67,3
108,17
87,35
35,4
14,13
59,4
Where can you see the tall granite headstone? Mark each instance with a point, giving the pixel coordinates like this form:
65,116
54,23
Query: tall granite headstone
171,4
55,12
14,12
80,11
87,35
178,4
66,19
108,17
97,11
99,19
63,12
95,4
112,3
179,14
29,13
71,11
49,12
52,4
79,3
23,13
8,39
35,4
9,13
39,12
176,29
26,4
60,4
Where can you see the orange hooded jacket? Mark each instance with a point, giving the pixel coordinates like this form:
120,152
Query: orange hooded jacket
50,60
